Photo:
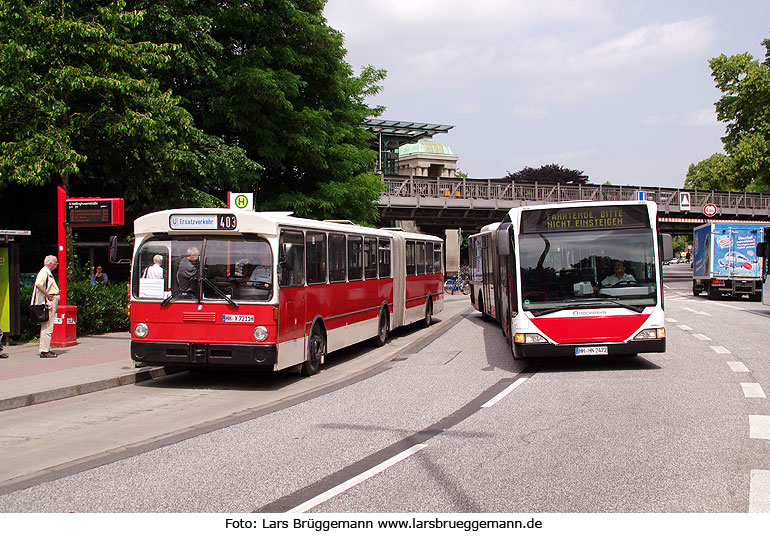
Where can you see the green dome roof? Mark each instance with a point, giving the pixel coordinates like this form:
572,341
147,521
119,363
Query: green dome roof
425,147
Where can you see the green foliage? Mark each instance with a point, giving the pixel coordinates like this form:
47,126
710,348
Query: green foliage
714,173
552,173
171,103
680,242
101,309
270,76
78,104
745,108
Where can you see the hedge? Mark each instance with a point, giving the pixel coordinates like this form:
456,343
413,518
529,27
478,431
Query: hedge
101,309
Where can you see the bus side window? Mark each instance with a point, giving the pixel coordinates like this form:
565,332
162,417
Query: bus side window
420,252
384,259
355,258
337,254
411,267
292,253
315,257
370,258
436,258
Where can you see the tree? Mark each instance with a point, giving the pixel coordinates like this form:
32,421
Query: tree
552,173
714,173
745,107
79,107
271,77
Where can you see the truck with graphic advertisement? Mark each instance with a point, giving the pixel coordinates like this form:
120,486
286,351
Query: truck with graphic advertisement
725,260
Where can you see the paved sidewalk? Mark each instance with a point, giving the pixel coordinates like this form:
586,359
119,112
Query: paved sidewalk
97,362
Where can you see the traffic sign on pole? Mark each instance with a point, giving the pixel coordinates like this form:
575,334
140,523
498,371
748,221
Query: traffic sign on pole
709,210
241,201
684,201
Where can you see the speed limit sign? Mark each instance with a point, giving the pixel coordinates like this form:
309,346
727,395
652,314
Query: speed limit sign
709,210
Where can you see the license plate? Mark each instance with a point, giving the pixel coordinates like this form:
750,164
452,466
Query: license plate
591,351
247,318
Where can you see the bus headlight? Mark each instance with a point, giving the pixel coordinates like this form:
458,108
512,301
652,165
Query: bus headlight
528,338
141,330
653,333
260,333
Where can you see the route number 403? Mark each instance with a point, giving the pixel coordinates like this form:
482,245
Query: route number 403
227,222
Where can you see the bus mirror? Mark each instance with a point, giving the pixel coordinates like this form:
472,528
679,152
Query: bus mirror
761,249
113,249
504,242
112,254
666,247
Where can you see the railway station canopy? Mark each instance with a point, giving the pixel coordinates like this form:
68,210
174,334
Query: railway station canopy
391,134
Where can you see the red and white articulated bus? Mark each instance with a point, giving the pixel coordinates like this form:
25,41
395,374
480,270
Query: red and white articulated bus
229,288
573,279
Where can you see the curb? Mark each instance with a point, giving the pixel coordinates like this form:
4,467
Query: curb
142,375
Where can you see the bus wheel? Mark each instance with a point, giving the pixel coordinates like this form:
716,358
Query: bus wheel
382,328
315,351
428,314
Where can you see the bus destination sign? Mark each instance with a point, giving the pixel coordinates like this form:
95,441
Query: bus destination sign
179,221
583,218
93,212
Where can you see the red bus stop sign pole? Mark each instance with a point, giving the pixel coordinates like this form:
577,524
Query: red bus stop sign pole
65,325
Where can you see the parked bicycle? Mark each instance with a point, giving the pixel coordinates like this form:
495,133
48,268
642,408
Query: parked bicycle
454,285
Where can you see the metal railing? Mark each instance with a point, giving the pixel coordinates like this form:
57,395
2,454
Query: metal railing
666,198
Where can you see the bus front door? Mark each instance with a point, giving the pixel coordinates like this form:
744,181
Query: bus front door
291,299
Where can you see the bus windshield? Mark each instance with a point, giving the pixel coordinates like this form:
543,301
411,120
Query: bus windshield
597,268
196,268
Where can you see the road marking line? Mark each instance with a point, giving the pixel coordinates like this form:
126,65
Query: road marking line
353,481
759,491
752,390
670,320
737,366
732,307
759,426
701,337
686,328
494,400
694,311
720,350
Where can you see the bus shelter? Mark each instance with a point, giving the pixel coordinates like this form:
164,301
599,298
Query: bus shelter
10,283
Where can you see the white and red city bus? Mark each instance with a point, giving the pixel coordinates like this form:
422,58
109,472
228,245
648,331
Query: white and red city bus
271,291
573,279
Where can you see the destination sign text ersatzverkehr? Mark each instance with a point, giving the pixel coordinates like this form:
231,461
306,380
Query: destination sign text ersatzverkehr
585,218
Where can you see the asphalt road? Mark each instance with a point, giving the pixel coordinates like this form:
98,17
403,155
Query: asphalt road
449,424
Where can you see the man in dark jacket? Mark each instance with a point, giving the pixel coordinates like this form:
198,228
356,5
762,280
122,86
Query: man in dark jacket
187,274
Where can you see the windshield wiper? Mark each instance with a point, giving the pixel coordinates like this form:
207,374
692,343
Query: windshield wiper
590,303
166,300
635,308
218,291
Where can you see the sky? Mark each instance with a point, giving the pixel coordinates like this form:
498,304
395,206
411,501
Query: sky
620,90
